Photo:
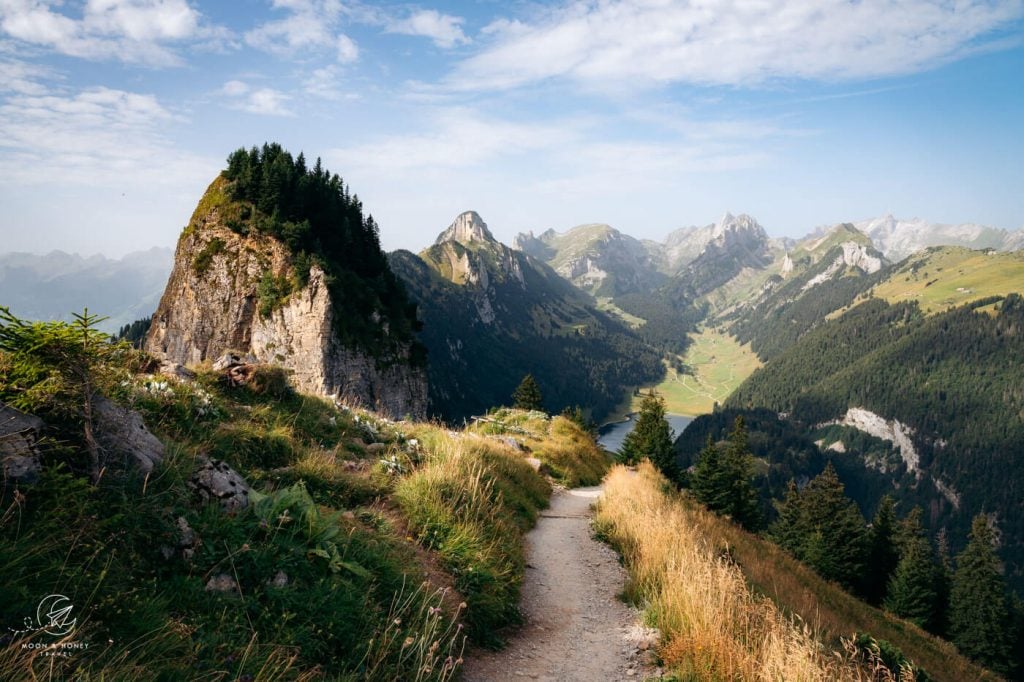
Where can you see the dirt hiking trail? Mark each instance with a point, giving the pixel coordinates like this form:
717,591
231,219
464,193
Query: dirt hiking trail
576,626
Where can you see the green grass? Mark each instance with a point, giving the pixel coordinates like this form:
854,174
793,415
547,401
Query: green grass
719,364
567,453
471,503
944,277
340,501
606,305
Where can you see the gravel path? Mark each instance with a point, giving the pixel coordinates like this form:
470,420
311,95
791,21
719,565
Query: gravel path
576,626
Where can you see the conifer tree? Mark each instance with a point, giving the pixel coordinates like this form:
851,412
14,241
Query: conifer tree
883,553
823,528
721,479
739,470
943,583
527,395
651,438
706,480
979,612
788,530
912,590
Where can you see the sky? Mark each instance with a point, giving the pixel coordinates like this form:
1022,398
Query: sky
648,115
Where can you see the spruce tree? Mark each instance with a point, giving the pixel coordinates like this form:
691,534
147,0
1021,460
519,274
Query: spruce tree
739,470
651,437
527,395
706,479
979,612
788,530
883,553
831,533
911,592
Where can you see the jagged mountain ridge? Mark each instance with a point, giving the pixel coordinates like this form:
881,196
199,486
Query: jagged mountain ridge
595,257
898,238
491,314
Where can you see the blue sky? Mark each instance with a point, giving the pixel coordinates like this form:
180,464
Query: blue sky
115,114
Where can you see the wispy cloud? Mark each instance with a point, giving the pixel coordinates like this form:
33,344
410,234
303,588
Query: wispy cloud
309,26
262,101
134,31
444,29
616,44
92,137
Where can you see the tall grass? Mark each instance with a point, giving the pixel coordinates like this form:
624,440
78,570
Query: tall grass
714,626
470,502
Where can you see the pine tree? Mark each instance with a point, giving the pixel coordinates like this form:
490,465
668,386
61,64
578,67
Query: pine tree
883,554
705,481
527,395
739,470
824,529
912,591
979,612
788,529
943,583
651,438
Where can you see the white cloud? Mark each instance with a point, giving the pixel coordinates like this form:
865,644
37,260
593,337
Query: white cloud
235,88
324,83
348,52
22,77
94,137
137,31
611,44
311,25
444,29
262,101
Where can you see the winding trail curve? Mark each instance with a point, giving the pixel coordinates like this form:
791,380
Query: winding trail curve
576,626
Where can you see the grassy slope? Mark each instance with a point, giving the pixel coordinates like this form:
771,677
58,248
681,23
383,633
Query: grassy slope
715,627
719,365
944,277
381,544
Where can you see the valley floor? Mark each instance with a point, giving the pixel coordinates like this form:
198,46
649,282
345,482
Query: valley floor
577,627
718,363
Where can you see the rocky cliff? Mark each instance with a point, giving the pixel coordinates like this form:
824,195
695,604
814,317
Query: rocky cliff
217,300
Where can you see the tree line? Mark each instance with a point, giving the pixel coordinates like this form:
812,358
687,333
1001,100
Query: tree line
890,562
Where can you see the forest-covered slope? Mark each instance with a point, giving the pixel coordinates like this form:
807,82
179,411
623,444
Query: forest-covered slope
945,390
491,315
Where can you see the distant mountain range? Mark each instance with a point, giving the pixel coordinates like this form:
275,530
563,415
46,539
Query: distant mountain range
55,285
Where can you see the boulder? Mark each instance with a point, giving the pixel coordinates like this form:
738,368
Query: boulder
222,583
176,371
122,432
19,452
215,480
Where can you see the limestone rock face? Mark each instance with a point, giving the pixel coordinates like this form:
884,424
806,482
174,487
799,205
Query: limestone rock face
211,306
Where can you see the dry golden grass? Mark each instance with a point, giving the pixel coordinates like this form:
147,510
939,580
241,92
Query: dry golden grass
731,605
713,626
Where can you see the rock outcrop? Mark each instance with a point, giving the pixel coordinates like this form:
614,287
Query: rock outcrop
122,433
212,306
19,453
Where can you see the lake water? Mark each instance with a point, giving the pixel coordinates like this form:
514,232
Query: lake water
610,436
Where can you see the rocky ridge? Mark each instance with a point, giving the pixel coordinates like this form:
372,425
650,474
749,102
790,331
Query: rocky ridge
212,305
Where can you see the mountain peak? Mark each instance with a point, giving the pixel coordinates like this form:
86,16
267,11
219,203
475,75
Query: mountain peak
467,227
731,223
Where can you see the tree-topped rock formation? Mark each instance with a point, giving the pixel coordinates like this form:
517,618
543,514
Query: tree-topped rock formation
278,262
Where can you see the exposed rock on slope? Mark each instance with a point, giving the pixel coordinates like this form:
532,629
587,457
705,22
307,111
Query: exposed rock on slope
596,258
212,305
